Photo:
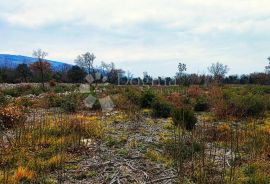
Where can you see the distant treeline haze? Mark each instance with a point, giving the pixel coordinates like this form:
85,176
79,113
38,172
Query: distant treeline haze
42,71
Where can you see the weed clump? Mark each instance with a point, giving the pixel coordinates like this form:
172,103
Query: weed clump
24,175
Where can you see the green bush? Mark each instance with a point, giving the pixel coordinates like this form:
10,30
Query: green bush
69,106
259,89
18,90
185,118
246,105
70,103
14,92
245,102
133,95
147,98
201,104
54,100
160,109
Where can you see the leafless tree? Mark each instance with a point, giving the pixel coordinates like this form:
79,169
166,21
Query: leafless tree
108,67
86,61
41,65
218,70
181,69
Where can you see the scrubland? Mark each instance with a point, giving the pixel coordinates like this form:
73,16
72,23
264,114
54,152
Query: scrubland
157,134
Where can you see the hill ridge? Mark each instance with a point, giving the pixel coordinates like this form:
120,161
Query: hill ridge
12,61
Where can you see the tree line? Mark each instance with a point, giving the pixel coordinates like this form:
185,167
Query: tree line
42,71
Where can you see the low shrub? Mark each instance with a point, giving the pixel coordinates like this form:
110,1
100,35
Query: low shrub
238,103
186,150
133,95
147,98
201,104
247,105
18,90
185,118
54,100
161,109
259,89
24,175
70,103
14,92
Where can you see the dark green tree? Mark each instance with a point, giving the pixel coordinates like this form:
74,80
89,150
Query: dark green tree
76,74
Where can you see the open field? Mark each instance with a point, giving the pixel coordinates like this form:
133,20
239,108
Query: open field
154,134
134,92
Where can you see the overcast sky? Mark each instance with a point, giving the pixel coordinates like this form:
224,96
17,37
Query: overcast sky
142,35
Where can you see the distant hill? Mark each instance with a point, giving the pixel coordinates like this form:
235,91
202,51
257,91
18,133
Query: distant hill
12,61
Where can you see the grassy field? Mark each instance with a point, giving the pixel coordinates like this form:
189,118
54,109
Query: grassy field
176,134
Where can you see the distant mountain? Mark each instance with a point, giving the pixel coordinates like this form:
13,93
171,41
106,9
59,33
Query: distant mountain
12,61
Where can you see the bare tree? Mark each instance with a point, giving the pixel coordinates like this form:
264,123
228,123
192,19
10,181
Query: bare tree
181,69
218,70
108,67
111,71
41,66
86,61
